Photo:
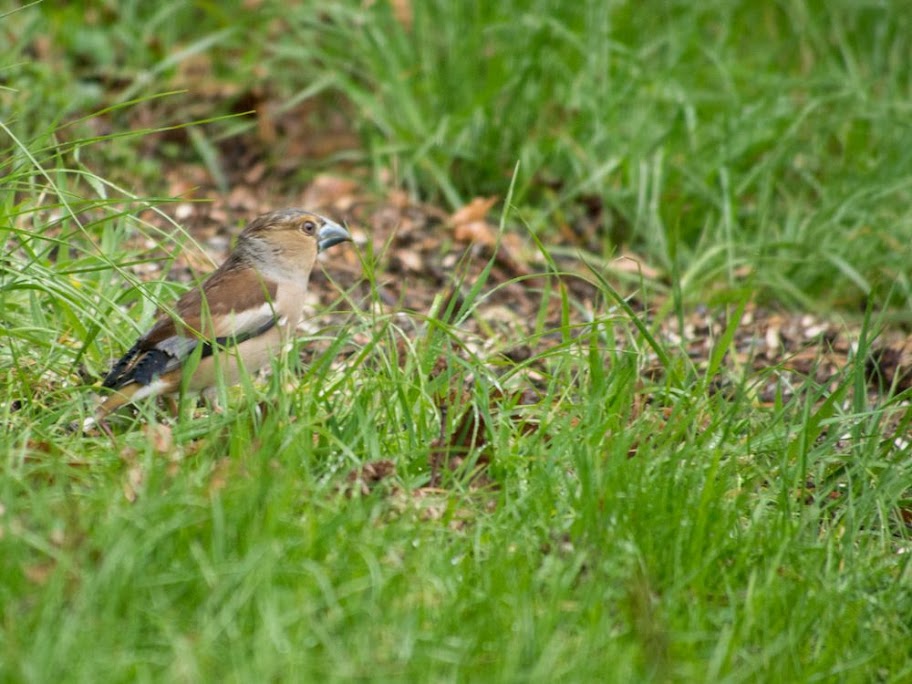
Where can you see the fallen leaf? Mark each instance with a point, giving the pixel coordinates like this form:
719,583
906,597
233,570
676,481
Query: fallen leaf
330,191
132,483
469,224
220,474
160,437
39,573
476,210
402,10
478,232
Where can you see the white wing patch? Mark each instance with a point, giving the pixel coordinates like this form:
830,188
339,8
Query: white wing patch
239,322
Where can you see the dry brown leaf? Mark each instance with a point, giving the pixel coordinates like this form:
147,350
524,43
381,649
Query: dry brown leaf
183,183
255,173
39,573
399,199
220,475
476,210
514,246
470,224
160,437
133,482
402,10
330,191
478,232
246,199
194,69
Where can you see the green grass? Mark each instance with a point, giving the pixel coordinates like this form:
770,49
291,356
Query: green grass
724,136
632,529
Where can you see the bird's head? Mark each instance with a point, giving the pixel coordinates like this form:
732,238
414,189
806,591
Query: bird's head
285,243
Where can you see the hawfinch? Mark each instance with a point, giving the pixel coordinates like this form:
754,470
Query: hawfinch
236,321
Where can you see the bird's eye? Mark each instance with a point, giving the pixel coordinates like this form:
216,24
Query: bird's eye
309,227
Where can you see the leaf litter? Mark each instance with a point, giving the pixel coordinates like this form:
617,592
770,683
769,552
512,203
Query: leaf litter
425,255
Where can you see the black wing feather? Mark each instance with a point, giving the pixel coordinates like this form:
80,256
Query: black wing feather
142,364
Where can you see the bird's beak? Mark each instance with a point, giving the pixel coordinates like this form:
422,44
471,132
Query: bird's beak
331,234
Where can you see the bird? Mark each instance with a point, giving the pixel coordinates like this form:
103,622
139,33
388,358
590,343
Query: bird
235,322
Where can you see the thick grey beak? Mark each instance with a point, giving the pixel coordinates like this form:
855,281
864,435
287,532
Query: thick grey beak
331,234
